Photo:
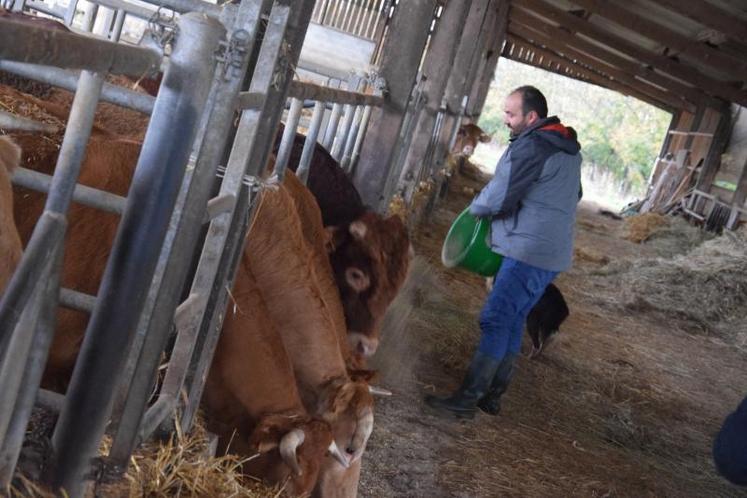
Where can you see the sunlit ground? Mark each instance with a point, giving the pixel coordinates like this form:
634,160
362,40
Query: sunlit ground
600,188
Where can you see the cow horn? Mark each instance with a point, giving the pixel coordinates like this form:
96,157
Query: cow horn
362,433
288,446
379,391
10,121
334,450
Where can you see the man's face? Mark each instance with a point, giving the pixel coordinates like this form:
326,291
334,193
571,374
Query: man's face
514,117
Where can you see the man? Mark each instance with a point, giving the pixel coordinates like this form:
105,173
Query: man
532,203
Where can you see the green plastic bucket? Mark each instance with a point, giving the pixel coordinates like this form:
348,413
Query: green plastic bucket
467,246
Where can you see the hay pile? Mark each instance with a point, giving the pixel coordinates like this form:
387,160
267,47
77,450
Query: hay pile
640,227
677,237
707,286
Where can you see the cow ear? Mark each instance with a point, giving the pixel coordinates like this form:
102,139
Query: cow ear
334,237
358,229
269,431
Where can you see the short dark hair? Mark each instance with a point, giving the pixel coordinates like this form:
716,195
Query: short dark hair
532,100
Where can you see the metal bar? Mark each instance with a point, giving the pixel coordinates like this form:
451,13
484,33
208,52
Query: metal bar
303,90
219,205
33,370
289,135
46,9
136,250
70,50
359,139
142,366
50,400
69,80
211,326
331,131
10,121
48,233
116,32
342,134
70,12
132,9
40,182
347,150
302,172
77,300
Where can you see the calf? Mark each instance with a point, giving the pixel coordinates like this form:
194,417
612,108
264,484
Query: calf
251,399
468,136
285,250
370,254
10,242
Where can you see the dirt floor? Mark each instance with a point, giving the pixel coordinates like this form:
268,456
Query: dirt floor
625,402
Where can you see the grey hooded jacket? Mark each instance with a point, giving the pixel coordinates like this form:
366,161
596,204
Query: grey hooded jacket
532,197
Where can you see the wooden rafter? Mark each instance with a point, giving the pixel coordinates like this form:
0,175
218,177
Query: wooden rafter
709,15
662,99
525,25
626,77
736,67
660,63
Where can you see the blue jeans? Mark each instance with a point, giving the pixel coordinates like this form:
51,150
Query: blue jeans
517,288
730,446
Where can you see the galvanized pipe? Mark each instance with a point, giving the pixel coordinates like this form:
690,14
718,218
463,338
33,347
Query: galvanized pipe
136,250
289,135
10,121
40,182
75,300
342,134
302,172
36,359
305,90
130,8
116,32
141,369
69,81
45,9
331,131
347,150
69,50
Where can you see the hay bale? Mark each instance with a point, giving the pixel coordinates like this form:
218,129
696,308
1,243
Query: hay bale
706,286
677,237
581,254
640,227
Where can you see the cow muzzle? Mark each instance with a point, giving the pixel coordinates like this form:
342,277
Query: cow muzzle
361,344
362,433
288,446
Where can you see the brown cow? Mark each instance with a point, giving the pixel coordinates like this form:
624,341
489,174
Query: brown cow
370,254
287,257
10,242
252,401
108,165
468,136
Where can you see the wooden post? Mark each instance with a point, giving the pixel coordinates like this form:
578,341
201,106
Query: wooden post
437,68
713,158
474,37
487,68
737,202
401,55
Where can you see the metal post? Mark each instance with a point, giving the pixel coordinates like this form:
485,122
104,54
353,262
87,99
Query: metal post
331,131
34,368
136,249
347,151
289,135
402,52
142,368
302,172
342,135
487,70
359,139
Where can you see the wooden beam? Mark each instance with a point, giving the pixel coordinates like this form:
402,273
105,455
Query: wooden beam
709,15
670,100
662,100
659,62
736,67
526,26
713,158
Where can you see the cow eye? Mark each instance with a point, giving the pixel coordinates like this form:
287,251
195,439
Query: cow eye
357,279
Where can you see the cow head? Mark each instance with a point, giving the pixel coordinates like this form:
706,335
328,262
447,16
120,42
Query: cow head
348,406
370,258
468,137
295,447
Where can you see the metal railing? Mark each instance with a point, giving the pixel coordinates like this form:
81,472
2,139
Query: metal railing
159,232
364,18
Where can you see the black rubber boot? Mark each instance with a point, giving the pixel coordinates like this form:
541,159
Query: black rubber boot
463,401
491,402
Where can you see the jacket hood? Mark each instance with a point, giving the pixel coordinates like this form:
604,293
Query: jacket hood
553,131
